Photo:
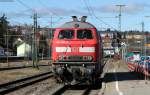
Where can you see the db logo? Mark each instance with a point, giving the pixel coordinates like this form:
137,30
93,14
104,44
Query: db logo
75,49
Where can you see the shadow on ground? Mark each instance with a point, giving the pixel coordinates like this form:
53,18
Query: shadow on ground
122,76
87,88
21,67
97,85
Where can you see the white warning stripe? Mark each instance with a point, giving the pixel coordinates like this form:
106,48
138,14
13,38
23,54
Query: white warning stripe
117,84
77,49
87,49
63,49
131,68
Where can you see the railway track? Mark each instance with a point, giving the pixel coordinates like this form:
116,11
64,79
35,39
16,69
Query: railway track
59,90
19,67
77,90
80,89
20,83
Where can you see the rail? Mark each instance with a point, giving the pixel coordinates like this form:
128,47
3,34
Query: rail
20,83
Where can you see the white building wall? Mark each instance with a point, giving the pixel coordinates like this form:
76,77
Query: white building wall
24,50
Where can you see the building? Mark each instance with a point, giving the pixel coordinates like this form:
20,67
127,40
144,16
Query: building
24,50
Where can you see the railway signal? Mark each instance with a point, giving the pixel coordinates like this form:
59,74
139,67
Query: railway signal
116,41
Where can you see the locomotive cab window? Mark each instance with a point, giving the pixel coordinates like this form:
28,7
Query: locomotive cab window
84,34
66,34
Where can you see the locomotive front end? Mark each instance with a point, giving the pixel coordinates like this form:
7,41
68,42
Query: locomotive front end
75,52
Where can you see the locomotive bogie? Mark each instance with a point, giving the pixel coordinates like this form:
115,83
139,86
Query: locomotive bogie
74,73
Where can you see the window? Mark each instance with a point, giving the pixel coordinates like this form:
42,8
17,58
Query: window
84,34
66,34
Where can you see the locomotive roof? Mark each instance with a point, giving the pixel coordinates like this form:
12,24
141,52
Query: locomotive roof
79,23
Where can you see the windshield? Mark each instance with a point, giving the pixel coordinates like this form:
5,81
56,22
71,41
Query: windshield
66,34
84,34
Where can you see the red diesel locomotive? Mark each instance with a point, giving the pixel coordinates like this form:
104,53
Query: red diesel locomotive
76,52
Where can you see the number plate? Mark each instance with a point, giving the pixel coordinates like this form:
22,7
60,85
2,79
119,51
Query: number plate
74,49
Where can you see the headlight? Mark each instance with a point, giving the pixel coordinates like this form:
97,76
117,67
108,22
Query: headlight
87,58
63,57
90,58
60,58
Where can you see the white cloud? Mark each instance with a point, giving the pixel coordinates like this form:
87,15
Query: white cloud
129,8
45,12
14,14
57,11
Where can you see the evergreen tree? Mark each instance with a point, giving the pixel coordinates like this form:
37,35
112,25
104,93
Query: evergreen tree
3,30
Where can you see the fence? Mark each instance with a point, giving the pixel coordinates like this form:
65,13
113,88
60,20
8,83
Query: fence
18,44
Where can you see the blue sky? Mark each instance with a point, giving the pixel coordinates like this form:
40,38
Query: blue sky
101,13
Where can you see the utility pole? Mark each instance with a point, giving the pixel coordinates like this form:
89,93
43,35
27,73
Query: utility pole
34,43
145,47
145,38
119,24
143,26
50,37
120,14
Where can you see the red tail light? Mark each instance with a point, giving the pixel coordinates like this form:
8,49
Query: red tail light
65,57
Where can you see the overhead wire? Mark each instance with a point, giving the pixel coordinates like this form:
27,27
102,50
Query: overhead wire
88,9
134,26
52,14
100,19
86,5
20,14
91,11
25,5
